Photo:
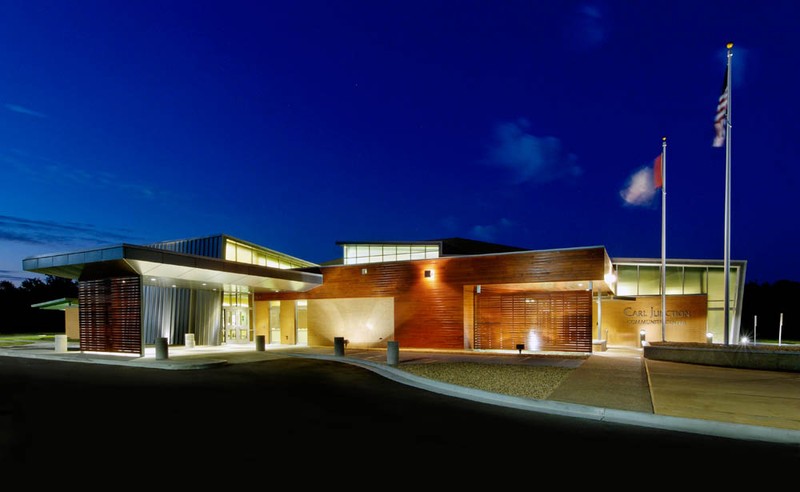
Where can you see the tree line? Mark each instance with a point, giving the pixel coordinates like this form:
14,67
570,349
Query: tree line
20,317
764,303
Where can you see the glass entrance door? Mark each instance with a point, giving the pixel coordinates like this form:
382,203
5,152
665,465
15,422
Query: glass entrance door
237,325
275,322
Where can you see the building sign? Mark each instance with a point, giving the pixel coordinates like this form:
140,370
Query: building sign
624,320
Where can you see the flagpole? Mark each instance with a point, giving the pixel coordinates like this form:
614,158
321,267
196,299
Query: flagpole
727,259
664,239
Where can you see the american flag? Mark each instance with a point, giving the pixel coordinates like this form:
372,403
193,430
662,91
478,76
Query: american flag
722,111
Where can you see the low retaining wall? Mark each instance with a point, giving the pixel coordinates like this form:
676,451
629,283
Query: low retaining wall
738,357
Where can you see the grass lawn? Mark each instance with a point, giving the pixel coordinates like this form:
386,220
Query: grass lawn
25,339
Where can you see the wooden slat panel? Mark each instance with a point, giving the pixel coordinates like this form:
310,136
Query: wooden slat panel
558,321
110,315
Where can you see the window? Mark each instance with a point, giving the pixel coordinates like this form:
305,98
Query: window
649,280
627,280
243,253
355,254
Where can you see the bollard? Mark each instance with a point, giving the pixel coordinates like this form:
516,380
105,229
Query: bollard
162,349
260,343
61,343
392,353
189,340
338,346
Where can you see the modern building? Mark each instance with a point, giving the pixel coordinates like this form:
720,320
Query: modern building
441,294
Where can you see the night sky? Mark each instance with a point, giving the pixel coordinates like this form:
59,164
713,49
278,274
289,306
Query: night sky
297,124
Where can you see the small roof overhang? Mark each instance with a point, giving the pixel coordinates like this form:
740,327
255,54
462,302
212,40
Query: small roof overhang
57,304
167,268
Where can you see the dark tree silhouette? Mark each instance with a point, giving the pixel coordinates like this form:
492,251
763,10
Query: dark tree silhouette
20,317
762,308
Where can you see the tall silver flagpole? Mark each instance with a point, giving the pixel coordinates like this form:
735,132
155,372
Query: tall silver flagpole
727,260
664,239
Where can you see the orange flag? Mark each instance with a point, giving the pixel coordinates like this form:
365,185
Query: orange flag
657,175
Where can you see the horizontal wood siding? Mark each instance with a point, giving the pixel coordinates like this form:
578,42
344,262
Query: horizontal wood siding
110,315
557,321
429,312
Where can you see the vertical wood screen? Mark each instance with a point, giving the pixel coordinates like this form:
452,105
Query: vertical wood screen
555,321
110,315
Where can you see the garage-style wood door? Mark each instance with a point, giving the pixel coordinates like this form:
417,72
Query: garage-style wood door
548,321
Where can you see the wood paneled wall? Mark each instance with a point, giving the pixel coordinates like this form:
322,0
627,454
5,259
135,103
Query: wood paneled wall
110,315
429,312
556,321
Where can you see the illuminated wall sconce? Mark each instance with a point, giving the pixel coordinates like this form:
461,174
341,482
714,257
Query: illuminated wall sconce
363,271
477,289
428,273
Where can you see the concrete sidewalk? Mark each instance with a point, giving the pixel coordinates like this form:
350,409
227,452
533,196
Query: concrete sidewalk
617,385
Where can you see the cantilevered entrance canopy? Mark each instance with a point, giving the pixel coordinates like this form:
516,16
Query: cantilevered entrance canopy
167,268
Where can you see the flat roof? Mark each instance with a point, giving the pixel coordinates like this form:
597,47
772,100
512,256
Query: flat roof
167,268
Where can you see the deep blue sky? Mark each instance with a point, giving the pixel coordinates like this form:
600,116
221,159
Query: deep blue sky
298,124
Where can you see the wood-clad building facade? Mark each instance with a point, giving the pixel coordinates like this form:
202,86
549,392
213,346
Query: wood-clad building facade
539,299
441,294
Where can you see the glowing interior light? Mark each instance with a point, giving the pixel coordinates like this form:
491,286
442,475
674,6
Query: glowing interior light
532,342
610,278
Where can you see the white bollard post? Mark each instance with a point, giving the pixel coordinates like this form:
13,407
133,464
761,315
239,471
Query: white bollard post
61,343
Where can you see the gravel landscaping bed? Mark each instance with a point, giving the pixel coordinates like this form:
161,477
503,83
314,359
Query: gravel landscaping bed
515,380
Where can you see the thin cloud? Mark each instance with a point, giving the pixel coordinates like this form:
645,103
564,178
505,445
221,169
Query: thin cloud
490,232
77,176
45,232
12,276
22,110
530,158
587,28
640,189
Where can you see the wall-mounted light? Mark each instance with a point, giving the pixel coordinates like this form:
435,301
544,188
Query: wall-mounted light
610,278
428,273
478,289
363,271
